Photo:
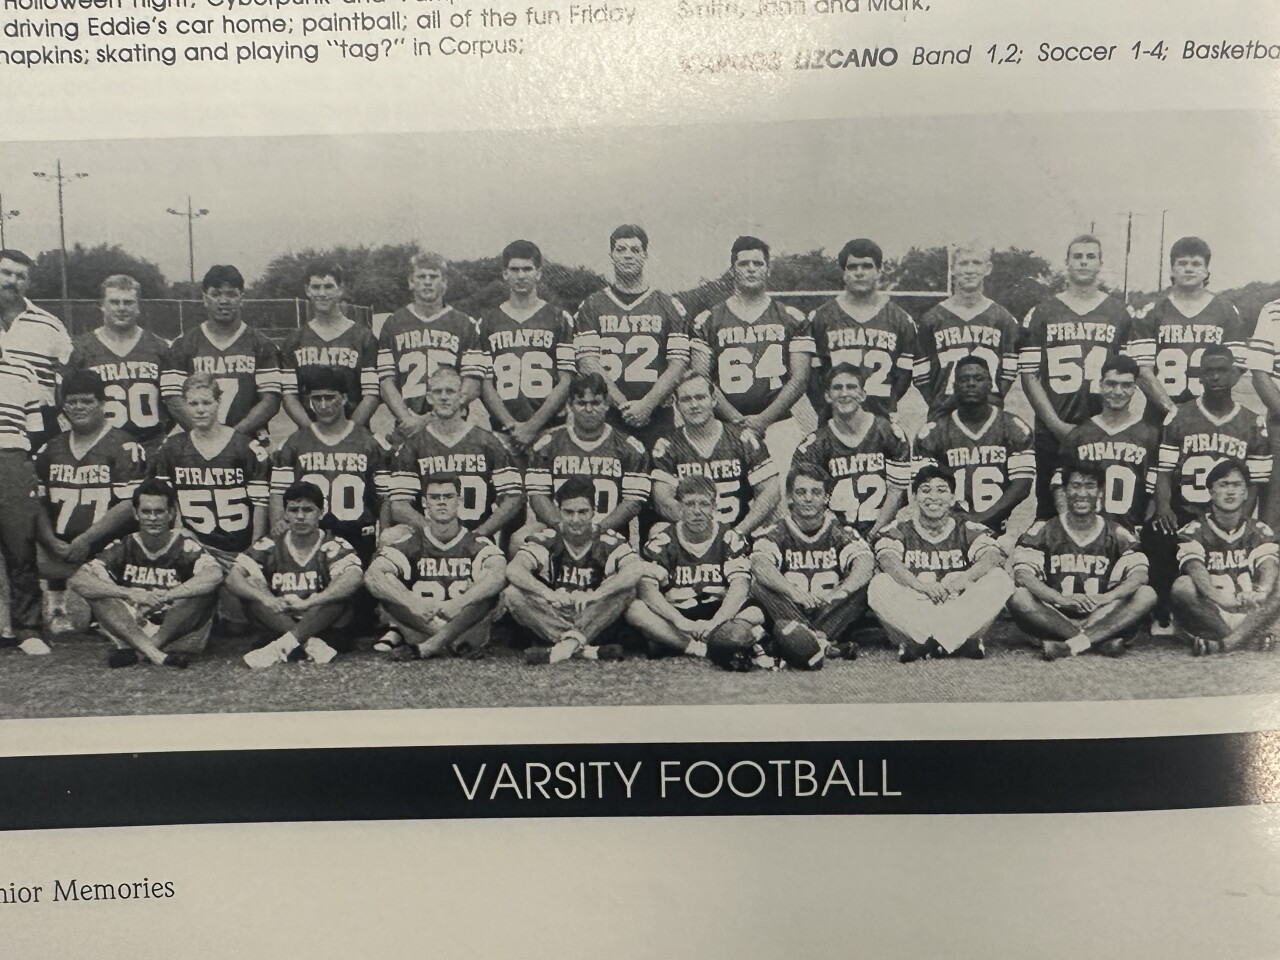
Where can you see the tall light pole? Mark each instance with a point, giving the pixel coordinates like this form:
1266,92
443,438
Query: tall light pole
1128,245
191,216
1160,265
5,215
59,179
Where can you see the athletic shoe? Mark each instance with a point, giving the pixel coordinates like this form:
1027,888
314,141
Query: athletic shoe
608,652
1267,644
911,652
570,643
8,640
319,652
122,657
1056,649
536,656
844,650
268,656
1113,648
34,647
406,652
972,649
389,641
177,660
1162,628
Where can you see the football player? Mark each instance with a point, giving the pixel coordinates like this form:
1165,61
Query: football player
297,585
756,350
943,582
492,499
129,359
1264,366
438,583
863,327
1228,562
572,583
637,337
244,362
616,464
967,323
745,476
810,575
329,341
986,449
31,335
1066,341
698,582
419,339
526,353
152,589
1081,579
866,455
1169,334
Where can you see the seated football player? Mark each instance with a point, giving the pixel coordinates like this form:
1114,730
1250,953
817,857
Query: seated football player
867,457
298,585
1081,580
153,589
439,582
1228,562
571,584
943,582
810,575
693,600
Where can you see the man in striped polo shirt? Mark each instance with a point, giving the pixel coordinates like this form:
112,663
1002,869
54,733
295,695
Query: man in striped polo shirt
31,335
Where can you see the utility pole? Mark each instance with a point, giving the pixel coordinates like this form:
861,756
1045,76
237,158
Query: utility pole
59,179
191,216
5,215
1128,245
1160,265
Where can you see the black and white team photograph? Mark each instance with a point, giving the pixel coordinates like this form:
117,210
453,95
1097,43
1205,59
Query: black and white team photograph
646,416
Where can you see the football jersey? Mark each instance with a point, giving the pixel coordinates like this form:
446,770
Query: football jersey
1264,345
411,348
477,458
984,461
884,347
1065,351
697,575
957,546
1195,441
942,338
523,358
615,463
863,469
287,571
216,495
131,380
128,563
737,464
561,567
1070,565
634,342
1127,458
246,369
76,491
354,353
1165,338
1231,557
353,472
435,569
750,360
815,562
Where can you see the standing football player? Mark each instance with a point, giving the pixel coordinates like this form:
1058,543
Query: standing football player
31,335
986,449
965,324
1264,367
637,337
863,327
1066,341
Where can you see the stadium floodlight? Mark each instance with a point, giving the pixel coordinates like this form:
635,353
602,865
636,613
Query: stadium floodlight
192,216
59,178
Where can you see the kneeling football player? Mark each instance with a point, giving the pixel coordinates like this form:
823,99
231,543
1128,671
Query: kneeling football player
152,588
693,598
438,582
298,585
1081,580
570,584
811,573
1228,562
943,583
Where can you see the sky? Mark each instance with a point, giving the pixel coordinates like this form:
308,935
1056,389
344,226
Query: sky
1028,180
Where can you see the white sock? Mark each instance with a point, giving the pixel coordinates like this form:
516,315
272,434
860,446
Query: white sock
696,648
1079,643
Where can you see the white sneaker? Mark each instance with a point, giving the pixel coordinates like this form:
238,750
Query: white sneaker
565,649
319,652
34,647
274,652
388,641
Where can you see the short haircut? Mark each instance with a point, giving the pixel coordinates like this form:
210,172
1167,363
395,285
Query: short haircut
1082,468
588,383
1189,247
696,483
931,471
690,375
155,487
861,248
442,479
326,378
76,382
119,281
575,487
17,256
444,371
846,369
222,275
629,231
303,490
972,360
322,269
202,380
1217,350
747,243
521,250
427,260
972,246
1224,468
811,471
1121,363
1085,238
